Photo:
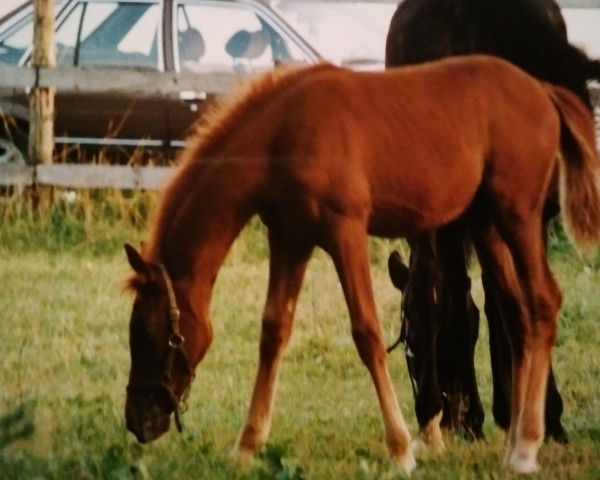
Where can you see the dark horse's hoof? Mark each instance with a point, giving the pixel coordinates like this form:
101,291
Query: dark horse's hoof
557,433
461,414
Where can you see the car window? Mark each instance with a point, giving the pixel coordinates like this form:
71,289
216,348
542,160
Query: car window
359,28
17,36
229,37
13,47
109,33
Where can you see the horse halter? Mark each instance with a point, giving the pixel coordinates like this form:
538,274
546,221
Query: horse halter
175,344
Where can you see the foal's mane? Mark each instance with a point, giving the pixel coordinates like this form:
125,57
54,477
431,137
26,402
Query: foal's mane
246,98
203,143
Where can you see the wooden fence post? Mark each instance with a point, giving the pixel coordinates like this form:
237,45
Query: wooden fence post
41,127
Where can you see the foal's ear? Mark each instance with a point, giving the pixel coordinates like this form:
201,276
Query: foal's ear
136,261
398,271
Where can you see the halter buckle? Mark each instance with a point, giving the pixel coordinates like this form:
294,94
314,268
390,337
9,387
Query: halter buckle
176,341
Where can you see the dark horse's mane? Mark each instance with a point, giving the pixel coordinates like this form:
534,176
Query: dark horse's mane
494,27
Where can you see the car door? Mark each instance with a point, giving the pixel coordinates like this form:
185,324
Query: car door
224,36
111,33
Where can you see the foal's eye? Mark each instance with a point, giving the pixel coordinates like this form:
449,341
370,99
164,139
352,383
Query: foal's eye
143,332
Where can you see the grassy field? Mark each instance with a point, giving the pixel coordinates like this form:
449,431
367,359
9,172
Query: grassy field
65,360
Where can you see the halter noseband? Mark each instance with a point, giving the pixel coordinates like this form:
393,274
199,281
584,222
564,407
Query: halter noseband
175,343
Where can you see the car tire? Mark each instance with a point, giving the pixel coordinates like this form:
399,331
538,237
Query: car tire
11,154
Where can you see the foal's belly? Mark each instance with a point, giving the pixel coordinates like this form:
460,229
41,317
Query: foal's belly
407,222
406,212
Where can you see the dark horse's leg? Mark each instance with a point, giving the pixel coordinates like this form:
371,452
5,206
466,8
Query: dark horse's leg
500,355
419,333
457,335
439,330
554,409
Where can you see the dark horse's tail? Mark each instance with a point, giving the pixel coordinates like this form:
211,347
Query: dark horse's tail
579,169
594,69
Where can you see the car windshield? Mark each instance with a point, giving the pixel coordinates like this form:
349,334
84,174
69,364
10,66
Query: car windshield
16,32
358,27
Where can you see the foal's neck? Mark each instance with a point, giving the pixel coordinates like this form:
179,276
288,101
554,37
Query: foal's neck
199,219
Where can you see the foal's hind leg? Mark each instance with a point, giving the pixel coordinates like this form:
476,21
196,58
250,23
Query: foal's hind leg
496,308
348,248
286,272
524,274
533,361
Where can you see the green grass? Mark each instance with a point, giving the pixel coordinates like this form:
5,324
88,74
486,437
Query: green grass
65,360
84,222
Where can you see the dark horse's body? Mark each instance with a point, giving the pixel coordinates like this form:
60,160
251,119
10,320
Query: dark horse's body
441,321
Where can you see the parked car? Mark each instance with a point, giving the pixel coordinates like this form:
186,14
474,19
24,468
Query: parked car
199,36
194,36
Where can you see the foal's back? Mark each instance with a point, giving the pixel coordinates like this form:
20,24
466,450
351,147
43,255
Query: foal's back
414,143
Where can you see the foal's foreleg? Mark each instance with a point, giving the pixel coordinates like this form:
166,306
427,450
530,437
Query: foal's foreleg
350,255
286,272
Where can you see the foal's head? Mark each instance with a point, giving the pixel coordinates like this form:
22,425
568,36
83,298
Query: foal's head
165,347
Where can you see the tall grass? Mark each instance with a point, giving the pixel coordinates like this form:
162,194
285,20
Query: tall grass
65,359
82,221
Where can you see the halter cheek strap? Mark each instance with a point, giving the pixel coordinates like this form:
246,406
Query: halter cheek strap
176,342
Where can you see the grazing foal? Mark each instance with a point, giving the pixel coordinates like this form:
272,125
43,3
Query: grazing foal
386,157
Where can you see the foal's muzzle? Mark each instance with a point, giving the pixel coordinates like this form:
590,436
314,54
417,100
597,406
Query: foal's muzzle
148,414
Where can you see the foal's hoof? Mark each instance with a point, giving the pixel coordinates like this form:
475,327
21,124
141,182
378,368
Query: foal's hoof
423,449
407,463
243,458
401,453
557,433
524,462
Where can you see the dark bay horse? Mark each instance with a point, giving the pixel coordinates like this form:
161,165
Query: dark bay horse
441,322
325,157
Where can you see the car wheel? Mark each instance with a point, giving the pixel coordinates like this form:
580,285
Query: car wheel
10,154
